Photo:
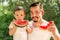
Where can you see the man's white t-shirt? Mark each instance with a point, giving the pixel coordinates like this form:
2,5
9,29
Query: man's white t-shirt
39,34
20,33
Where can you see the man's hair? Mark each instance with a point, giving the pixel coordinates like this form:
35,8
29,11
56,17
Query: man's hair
37,4
34,4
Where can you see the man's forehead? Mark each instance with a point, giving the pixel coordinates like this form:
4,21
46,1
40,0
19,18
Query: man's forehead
35,8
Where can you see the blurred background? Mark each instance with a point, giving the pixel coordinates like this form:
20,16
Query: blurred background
51,8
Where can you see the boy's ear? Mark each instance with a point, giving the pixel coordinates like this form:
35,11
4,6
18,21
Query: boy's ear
25,15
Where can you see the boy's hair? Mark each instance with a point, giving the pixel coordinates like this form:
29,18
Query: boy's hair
18,8
34,4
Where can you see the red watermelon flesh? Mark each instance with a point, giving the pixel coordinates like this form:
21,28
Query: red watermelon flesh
20,22
45,27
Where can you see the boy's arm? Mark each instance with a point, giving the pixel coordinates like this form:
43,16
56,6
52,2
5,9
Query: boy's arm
12,28
12,31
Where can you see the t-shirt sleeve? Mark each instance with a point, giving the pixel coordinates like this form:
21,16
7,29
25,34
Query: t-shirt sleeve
11,25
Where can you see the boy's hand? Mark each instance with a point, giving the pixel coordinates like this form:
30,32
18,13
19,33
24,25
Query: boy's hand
29,30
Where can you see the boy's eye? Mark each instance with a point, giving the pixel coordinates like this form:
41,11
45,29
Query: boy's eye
21,15
16,15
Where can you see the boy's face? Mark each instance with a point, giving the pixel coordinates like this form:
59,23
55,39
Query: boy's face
19,15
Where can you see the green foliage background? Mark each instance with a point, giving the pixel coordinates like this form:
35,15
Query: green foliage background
51,8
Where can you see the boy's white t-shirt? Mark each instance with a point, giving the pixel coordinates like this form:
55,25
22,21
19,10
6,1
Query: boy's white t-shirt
20,33
39,34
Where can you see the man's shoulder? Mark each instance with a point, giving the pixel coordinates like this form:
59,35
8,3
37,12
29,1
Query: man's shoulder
44,22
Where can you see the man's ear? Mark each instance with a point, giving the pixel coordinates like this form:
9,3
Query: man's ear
42,12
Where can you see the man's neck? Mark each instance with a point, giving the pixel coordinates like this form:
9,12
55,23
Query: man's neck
36,24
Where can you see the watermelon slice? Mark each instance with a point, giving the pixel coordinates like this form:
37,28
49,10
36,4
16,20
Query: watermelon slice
45,27
21,23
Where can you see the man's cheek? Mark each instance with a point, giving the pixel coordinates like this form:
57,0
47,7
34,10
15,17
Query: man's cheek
31,16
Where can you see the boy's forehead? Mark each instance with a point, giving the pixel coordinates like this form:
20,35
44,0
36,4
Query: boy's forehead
19,12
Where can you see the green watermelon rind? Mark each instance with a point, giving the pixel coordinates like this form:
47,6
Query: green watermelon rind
19,26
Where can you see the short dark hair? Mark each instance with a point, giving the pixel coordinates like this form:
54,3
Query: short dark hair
34,4
18,8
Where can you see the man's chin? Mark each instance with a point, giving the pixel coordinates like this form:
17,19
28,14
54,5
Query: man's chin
35,21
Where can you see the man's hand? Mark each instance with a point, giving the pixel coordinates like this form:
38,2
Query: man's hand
52,28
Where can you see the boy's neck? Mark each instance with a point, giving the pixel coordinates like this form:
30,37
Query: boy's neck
19,20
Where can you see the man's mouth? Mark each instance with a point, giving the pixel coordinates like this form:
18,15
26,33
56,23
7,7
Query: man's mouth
35,19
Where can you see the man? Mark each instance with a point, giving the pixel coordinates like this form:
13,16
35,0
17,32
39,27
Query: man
39,33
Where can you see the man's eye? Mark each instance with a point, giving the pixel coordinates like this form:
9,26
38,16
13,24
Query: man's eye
37,12
31,12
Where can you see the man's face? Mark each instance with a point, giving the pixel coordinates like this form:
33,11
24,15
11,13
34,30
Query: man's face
19,15
35,13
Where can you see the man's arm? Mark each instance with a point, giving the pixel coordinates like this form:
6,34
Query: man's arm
56,37
54,31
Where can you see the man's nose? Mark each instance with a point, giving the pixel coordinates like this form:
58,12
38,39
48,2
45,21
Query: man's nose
34,14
